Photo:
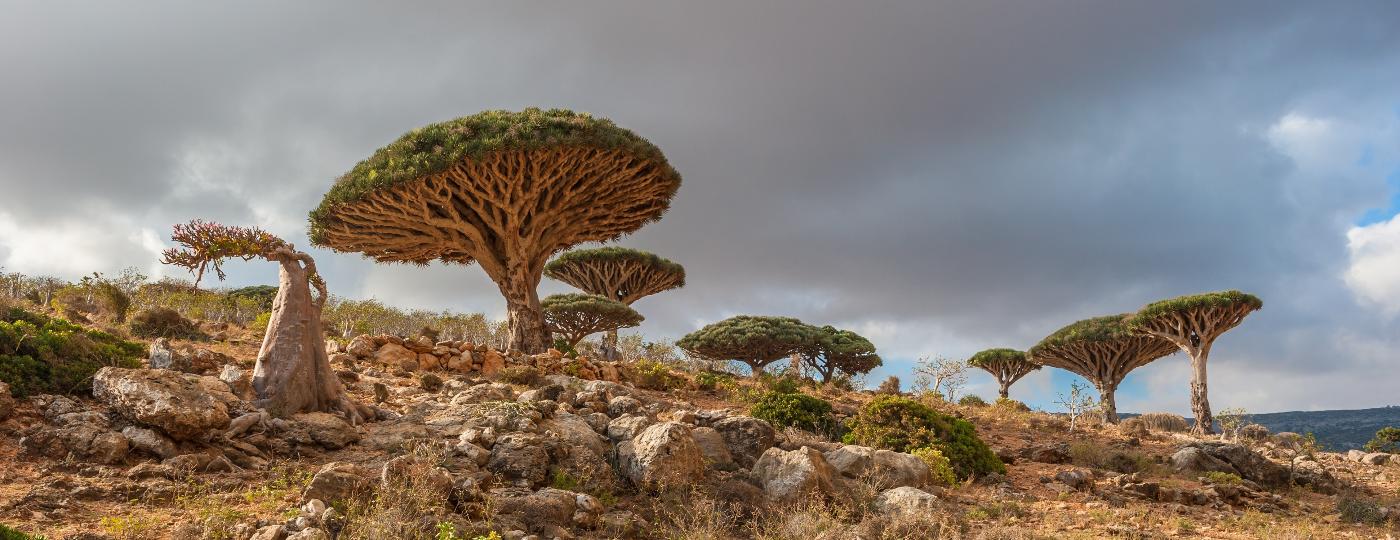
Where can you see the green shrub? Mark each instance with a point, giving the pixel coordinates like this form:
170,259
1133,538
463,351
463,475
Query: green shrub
7,533
564,347
710,380
903,424
162,322
1359,510
972,401
653,375
783,384
938,464
1098,456
1386,440
1223,478
259,324
39,354
1011,405
784,409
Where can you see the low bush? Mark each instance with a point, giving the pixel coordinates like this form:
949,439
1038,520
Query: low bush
710,380
39,354
1097,456
1011,405
259,324
1386,440
905,425
938,464
430,382
1355,509
522,375
971,400
1164,422
1132,427
889,386
784,409
653,375
161,322
1223,478
7,533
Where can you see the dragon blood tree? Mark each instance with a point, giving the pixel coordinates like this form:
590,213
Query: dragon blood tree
617,273
1102,350
503,189
293,373
757,341
832,350
1007,365
574,316
1193,323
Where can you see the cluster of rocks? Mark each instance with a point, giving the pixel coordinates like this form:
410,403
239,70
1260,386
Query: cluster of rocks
423,354
187,359
1369,458
1245,494
1213,456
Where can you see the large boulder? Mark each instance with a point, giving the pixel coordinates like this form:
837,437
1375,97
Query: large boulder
627,427
662,456
1206,456
181,405
713,447
77,438
327,430
906,502
521,457
887,469
747,437
150,441
788,475
484,392
492,363
362,346
574,432
338,482
397,356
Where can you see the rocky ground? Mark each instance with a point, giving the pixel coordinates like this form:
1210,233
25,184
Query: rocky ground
569,448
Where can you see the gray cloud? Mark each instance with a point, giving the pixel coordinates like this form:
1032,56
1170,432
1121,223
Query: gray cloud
945,176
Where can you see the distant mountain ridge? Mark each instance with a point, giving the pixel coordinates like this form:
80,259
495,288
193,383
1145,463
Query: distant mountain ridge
1336,431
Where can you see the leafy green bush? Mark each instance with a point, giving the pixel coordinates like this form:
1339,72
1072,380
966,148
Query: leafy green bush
7,533
1012,405
1386,440
1223,478
710,380
653,375
972,401
162,322
938,464
39,354
905,425
784,409
259,324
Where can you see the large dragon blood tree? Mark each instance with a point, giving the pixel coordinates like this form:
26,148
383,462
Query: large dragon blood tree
1193,323
616,273
1102,350
293,373
833,351
574,316
503,189
757,341
1007,365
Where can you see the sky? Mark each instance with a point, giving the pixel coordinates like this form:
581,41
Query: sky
942,177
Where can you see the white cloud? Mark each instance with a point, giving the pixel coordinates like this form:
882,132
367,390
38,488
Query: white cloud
71,249
1374,270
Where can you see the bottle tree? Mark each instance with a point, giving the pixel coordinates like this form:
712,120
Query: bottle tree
502,189
575,316
757,341
293,373
1102,350
833,350
1007,365
617,273
1193,323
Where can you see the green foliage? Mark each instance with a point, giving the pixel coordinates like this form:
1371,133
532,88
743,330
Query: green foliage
436,147
788,409
654,375
39,354
259,324
6,533
197,304
971,400
261,295
565,266
353,317
992,357
754,340
903,424
1011,404
1223,478
1095,329
162,322
938,464
1195,302
1095,455
1386,440
576,315
710,380
832,350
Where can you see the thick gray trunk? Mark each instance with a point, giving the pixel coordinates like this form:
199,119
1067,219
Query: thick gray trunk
525,318
610,345
1107,405
1200,399
1005,390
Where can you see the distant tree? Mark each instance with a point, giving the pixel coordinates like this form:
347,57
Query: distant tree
754,340
943,376
1077,403
293,373
1386,440
1007,365
616,273
503,189
1193,323
835,351
889,386
262,295
1102,350
574,316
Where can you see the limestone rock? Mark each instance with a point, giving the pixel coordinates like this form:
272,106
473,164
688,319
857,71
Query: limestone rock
520,456
712,447
886,468
361,346
150,441
661,456
176,403
337,482
787,475
397,356
747,437
492,363
327,429
626,427
906,501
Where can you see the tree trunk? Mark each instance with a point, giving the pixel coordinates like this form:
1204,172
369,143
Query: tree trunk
1005,390
525,319
293,374
1107,405
1200,400
610,345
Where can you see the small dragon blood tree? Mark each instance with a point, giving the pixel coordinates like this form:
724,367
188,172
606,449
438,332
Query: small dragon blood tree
506,190
293,374
617,273
574,316
1007,365
1193,322
834,350
757,341
1102,350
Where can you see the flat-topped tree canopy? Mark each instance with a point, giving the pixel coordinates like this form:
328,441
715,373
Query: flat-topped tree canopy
1007,365
575,316
1193,322
753,340
619,273
1102,350
833,350
503,189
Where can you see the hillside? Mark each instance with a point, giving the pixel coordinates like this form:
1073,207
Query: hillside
1335,430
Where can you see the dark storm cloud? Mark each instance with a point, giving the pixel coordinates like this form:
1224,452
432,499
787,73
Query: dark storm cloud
949,176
